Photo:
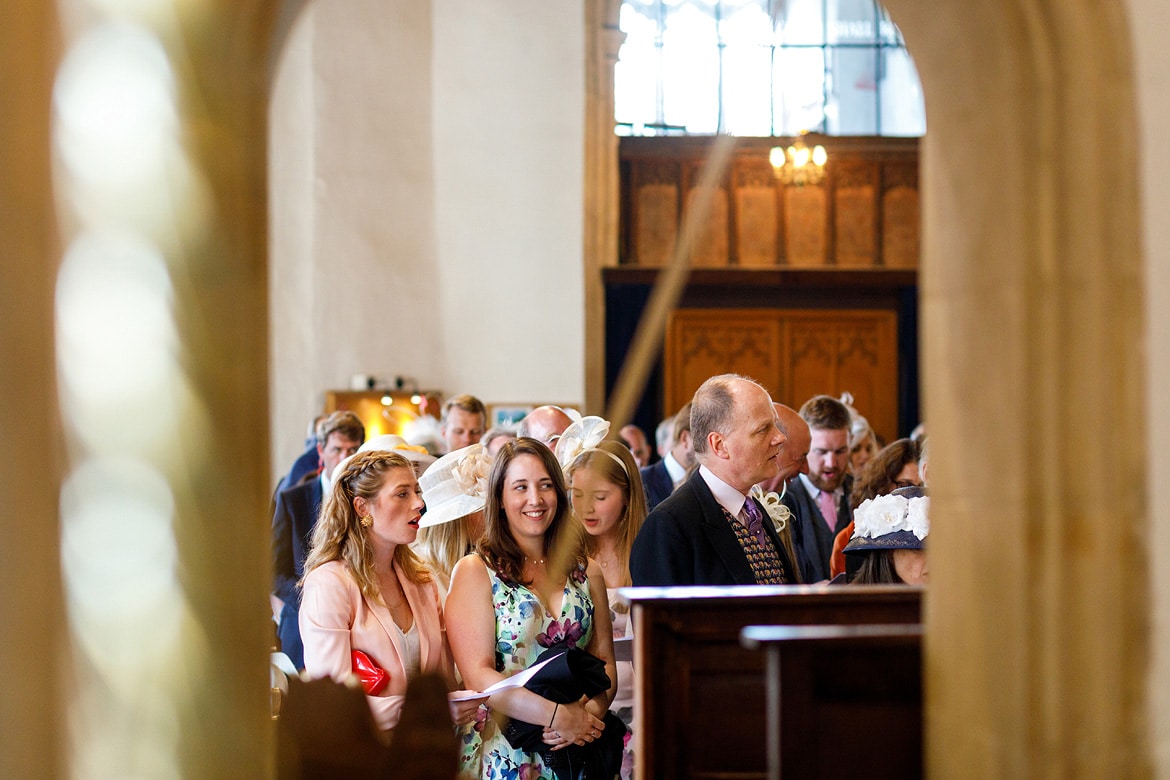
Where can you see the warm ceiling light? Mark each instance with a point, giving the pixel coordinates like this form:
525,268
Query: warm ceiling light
798,164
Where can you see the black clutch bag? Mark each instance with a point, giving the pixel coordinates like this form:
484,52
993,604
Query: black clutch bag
566,678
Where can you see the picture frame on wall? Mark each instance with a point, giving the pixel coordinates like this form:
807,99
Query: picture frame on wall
509,415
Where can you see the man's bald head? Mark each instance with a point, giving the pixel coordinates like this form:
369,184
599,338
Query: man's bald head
545,424
793,456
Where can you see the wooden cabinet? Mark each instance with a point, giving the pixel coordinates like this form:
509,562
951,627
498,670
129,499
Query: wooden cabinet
795,354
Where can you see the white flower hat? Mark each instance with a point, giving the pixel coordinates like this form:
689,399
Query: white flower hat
898,521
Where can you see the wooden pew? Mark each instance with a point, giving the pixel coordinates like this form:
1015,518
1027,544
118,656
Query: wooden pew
701,697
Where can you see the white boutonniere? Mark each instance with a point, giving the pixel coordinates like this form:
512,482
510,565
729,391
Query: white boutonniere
776,510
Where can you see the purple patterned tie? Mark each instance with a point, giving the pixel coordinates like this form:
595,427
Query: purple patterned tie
755,521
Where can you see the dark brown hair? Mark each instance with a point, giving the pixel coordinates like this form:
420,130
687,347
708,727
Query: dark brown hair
564,540
823,412
878,476
877,569
344,422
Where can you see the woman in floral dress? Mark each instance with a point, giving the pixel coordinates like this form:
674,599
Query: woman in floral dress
529,587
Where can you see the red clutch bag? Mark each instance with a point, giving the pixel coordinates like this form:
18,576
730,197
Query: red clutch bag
372,677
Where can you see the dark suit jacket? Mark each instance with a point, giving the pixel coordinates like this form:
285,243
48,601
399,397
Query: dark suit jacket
687,540
813,539
657,482
292,525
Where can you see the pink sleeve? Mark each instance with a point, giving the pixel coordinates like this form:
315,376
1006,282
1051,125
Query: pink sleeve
326,617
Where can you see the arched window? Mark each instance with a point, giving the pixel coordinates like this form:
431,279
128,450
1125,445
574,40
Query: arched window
764,67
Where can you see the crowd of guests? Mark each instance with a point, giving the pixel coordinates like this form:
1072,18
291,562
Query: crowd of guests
507,552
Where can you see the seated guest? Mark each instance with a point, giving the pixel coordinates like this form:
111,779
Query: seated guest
895,466
889,538
635,439
661,478
819,499
454,489
497,437
309,460
464,422
545,424
338,436
793,460
365,590
607,499
664,436
710,531
528,588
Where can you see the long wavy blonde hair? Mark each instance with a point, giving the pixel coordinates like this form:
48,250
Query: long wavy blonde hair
339,534
614,463
441,546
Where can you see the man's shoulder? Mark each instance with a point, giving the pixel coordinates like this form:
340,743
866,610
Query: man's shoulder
300,495
654,470
796,489
685,501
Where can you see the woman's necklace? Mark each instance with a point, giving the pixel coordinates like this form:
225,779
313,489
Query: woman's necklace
538,561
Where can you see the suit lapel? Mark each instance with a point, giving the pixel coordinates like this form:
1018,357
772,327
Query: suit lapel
720,535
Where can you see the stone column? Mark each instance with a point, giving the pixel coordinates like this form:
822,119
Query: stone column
1038,633
603,38
162,337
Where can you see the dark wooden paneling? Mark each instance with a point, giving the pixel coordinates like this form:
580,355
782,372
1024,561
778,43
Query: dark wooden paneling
701,695
863,215
794,354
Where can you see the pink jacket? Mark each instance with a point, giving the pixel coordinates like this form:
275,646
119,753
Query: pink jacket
335,618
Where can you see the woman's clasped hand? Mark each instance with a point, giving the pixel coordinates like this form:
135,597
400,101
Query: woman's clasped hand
573,724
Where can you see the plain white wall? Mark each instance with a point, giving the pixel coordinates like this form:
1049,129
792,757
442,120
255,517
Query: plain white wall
427,206
509,124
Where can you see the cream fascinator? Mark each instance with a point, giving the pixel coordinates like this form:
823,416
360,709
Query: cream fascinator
455,485
583,434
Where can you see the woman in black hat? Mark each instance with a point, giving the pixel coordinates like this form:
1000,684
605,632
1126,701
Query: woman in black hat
890,536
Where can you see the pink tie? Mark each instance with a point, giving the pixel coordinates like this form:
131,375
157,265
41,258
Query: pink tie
828,509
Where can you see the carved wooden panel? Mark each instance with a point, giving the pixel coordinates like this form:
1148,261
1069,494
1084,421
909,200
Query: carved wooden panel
806,229
855,213
864,215
711,248
795,354
756,216
900,228
656,208
702,343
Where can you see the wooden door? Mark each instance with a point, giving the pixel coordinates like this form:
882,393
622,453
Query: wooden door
795,354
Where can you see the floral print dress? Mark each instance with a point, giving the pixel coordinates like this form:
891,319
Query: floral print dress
524,630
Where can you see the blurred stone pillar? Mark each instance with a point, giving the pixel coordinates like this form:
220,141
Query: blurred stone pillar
162,332
1038,616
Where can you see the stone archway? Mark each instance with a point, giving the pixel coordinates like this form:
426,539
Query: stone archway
1039,636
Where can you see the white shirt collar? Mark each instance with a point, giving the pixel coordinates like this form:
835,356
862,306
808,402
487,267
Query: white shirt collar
728,497
674,469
